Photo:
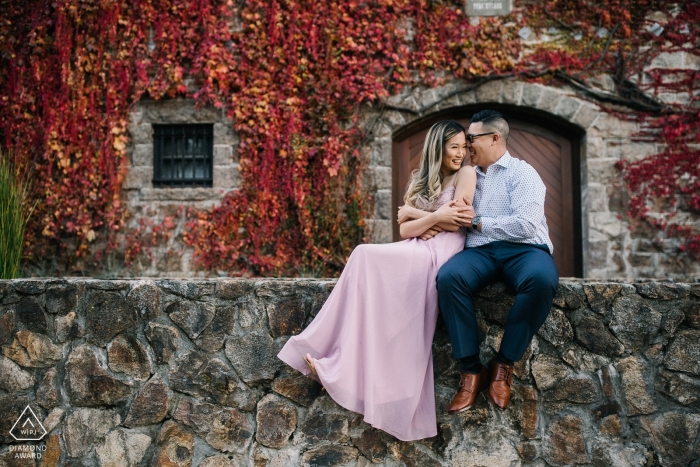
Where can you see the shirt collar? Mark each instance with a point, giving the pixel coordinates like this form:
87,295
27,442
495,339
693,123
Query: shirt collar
503,161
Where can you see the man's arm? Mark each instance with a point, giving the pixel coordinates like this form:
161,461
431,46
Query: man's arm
527,207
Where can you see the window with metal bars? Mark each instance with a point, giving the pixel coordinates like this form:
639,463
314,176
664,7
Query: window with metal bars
183,155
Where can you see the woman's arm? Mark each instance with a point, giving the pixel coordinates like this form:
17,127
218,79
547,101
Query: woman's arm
465,186
448,213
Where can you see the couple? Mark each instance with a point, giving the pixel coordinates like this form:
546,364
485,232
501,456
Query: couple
370,345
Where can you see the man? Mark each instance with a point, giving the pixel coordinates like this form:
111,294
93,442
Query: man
508,241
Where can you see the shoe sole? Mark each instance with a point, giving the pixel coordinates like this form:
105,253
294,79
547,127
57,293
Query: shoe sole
460,410
502,409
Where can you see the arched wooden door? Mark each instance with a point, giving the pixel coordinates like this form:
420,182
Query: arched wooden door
548,152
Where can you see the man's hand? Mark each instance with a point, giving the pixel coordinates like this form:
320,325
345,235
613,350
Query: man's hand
431,232
468,210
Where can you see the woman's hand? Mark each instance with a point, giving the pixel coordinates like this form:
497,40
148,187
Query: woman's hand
405,213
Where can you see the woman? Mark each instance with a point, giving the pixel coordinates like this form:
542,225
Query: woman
370,345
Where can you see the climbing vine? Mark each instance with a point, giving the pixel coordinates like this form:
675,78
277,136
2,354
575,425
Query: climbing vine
297,79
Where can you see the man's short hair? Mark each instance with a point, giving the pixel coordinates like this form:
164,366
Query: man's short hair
493,120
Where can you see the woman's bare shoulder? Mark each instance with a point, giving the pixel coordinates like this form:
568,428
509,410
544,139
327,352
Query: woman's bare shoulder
467,169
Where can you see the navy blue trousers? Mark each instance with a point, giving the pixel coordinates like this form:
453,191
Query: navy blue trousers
529,269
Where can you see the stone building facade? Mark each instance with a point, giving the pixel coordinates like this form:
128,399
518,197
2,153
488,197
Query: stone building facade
607,244
184,373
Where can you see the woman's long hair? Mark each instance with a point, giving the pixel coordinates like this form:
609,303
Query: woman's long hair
426,182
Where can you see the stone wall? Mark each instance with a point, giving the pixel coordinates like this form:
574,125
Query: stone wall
179,373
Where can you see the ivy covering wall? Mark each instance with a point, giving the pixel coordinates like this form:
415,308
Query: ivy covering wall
296,77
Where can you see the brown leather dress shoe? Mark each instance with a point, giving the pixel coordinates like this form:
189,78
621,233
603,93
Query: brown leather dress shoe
470,385
499,389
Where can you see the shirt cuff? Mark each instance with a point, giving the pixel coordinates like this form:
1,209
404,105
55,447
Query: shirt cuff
487,225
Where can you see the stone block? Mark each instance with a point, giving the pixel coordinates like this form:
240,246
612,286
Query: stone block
179,111
8,325
684,352
297,387
569,296
382,205
630,151
212,338
668,60
286,317
33,350
511,92
678,386
254,356
380,177
174,446
31,314
108,314
567,107
320,426
140,133
602,171
142,155
223,154
84,428
489,92
670,433
189,195
550,99
330,455
663,291
216,461
609,126
223,428
192,317
144,296
556,328
379,231
381,153
138,177
595,336
370,444
597,198
224,134
547,371
87,382
586,115
578,390
531,94
63,298
164,341
123,447
52,455
501,454
231,289
48,393
276,421
13,378
151,404
634,322
639,400
226,176
126,354
595,148
68,327
607,223
564,443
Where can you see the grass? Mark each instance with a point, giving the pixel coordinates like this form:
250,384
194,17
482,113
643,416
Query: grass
14,213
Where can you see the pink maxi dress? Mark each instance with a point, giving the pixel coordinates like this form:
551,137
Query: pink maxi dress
372,340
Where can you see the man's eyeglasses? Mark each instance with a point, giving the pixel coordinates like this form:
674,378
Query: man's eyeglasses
471,137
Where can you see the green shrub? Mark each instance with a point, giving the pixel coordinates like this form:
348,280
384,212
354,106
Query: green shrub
14,213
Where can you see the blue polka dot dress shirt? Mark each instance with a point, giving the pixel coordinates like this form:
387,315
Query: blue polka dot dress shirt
510,200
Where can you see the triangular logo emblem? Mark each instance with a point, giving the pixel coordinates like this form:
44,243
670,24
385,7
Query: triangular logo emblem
28,427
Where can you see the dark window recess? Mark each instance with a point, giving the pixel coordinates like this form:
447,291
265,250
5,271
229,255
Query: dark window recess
183,155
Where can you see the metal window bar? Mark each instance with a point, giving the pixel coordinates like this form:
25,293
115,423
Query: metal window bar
183,155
